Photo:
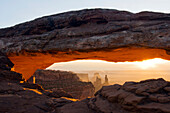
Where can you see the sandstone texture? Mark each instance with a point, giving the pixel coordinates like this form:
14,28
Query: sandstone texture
132,97
149,96
88,30
87,34
67,81
5,63
16,97
104,34
5,67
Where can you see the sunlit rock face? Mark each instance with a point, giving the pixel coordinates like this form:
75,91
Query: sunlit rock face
104,34
67,81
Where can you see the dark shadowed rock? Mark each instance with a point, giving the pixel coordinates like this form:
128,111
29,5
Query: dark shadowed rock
67,81
5,67
57,93
32,86
76,107
16,97
139,97
28,98
115,99
10,75
5,63
88,29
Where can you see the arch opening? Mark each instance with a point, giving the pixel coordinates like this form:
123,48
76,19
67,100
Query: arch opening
117,72
27,63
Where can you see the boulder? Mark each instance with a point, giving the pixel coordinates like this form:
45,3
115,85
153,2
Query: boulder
145,96
5,63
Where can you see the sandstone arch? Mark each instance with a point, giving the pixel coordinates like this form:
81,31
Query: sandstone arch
104,34
28,63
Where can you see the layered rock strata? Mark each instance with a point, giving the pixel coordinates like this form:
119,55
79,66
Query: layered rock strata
142,97
149,96
16,97
67,81
104,34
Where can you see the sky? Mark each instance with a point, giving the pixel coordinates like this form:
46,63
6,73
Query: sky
13,12
118,72
100,65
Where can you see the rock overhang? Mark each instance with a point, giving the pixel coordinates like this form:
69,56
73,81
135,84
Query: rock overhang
103,34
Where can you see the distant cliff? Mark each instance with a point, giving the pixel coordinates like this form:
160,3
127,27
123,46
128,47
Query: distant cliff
67,81
83,77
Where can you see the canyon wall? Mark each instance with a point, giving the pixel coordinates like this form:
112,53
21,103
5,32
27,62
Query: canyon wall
83,77
67,81
143,97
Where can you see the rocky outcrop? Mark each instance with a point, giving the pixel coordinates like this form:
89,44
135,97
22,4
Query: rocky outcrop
87,34
133,97
142,97
145,96
24,97
5,67
88,30
104,34
67,81
5,63
18,99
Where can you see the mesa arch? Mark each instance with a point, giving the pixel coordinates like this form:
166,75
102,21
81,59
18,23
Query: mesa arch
28,63
103,34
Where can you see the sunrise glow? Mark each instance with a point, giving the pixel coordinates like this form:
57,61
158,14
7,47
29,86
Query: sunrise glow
152,63
105,65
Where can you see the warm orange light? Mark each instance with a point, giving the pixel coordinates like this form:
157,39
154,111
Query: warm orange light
12,69
34,90
72,99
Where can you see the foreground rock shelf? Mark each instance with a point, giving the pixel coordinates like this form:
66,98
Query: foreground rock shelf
143,97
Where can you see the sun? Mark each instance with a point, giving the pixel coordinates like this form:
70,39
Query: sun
152,63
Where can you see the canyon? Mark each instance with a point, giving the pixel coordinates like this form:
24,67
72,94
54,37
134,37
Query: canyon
67,81
146,96
104,34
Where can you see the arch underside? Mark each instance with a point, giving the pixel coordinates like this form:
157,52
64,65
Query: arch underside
28,62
